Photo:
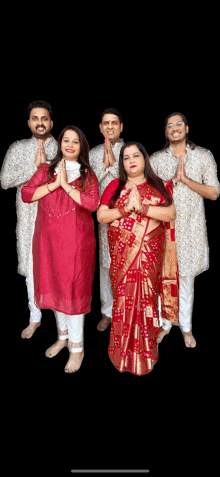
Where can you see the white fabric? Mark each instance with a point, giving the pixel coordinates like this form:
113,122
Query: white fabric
106,294
71,327
72,169
35,313
186,297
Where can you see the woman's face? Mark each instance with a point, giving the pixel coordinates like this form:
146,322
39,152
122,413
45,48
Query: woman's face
133,161
70,146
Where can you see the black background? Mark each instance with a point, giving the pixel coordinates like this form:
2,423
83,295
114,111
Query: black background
98,418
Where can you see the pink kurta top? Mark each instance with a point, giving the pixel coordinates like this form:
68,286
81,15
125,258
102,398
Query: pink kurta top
63,246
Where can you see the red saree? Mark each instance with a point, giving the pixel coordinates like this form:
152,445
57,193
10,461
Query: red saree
142,266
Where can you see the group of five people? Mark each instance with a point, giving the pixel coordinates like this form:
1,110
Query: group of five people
152,232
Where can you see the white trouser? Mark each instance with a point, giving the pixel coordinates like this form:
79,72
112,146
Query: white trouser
106,294
35,313
186,296
71,327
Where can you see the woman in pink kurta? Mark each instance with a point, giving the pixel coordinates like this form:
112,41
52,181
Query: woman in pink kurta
64,239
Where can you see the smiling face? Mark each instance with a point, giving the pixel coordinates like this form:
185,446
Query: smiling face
176,129
133,161
111,127
70,145
40,123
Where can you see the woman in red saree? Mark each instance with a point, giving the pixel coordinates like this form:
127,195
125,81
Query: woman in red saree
140,210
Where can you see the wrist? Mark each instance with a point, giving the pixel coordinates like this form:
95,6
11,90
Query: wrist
185,180
51,186
144,210
66,186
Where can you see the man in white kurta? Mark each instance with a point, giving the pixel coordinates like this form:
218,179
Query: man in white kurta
20,163
104,160
193,171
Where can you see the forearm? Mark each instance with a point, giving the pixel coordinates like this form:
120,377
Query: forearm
107,216
209,192
164,214
42,191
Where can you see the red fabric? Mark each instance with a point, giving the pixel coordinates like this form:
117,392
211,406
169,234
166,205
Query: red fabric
111,188
63,246
142,266
109,192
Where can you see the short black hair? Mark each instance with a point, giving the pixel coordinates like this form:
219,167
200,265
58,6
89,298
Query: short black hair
39,104
112,111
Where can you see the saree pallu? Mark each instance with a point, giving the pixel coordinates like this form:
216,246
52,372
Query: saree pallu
143,265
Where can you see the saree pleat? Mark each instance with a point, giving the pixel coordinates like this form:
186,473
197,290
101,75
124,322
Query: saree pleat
137,271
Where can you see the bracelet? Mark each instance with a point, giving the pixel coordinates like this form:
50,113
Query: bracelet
144,209
47,184
72,187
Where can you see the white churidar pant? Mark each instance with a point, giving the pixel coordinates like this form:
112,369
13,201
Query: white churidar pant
106,294
71,327
35,313
186,297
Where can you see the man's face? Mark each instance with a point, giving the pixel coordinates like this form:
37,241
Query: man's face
40,123
111,127
176,129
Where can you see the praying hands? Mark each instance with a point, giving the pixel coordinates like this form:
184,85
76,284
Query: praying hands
109,158
40,156
134,203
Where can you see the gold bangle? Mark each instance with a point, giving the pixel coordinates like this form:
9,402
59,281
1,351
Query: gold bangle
47,184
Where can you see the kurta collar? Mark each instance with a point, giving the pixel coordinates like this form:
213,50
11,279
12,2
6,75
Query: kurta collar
171,151
46,143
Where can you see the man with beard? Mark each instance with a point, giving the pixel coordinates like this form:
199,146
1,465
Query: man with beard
22,160
193,172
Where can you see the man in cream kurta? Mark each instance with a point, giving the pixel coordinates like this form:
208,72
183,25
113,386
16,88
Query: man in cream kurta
22,160
194,174
104,160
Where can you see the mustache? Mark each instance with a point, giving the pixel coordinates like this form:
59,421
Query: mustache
40,127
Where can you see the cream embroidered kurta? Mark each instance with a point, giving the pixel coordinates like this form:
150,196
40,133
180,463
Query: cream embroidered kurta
17,169
190,223
104,178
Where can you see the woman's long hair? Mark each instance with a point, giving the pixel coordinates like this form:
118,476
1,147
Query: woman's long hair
83,158
151,177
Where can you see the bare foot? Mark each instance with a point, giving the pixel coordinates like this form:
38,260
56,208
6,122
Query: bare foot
161,335
74,363
56,348
104,323
29,331
190,341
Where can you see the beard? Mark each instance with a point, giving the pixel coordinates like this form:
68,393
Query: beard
41,134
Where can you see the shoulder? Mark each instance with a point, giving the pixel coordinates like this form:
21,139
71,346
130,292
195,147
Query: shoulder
90,175
156,156
19,146
205,156
113,184
96,150
109,191
43,169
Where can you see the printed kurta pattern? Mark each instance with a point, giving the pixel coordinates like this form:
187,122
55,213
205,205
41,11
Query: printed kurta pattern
190,223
